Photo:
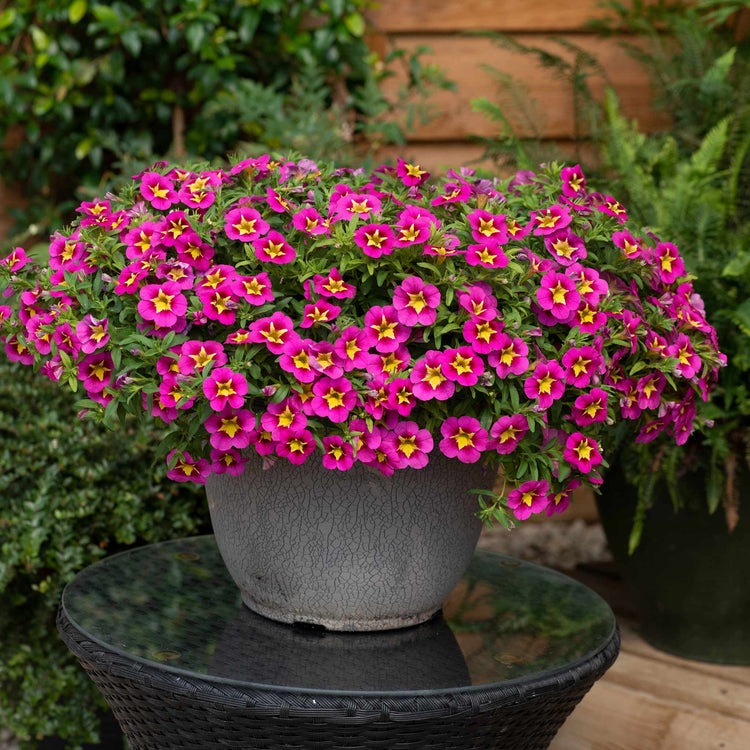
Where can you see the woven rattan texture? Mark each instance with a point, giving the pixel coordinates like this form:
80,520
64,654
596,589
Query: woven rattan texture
161,710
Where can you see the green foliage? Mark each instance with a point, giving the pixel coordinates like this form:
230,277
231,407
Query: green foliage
691,184
89,90
69,494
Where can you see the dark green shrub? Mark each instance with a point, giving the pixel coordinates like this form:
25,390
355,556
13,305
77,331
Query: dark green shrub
87,88
70,493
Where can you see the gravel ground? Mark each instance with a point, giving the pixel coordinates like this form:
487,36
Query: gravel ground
563,544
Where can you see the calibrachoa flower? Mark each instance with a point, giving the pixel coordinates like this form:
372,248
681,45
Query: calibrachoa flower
427,306
546,383
224,387
559,501
530,497
507,432
416,302
410,444
337,453
582,452
463,438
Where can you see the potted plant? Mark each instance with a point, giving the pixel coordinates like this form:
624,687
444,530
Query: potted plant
341,357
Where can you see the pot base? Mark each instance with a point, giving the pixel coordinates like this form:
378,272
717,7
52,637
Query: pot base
355,624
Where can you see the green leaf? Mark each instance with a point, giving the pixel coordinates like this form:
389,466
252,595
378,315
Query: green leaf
355,24
39,38
7,17
195,34
131,41
107,16
77,10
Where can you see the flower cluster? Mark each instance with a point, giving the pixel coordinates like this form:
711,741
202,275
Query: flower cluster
286,309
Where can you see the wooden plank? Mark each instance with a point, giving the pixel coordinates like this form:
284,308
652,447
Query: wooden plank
681,684
611,717
438,157
461,57
634,644
495,15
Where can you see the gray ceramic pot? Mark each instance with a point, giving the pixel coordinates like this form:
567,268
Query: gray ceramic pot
349,550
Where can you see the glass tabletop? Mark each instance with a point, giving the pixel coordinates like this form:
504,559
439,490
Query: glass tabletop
175,605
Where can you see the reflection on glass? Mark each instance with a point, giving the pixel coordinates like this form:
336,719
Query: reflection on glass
175,604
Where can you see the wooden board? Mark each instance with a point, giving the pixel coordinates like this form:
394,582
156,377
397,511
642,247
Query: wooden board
553,115
497,15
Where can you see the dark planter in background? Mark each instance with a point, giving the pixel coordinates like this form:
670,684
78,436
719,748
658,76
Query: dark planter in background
689,577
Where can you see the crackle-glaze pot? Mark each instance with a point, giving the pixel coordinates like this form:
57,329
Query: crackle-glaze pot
349,550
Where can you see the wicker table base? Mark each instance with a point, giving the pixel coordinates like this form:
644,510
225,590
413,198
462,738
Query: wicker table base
162,708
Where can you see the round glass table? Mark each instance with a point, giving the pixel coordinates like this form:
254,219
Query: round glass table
184,664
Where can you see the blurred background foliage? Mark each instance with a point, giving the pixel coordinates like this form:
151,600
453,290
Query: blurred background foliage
689,184
91,91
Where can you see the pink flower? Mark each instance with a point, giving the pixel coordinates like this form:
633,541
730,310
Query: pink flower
509,357
463,438
173,228
383,329
487,255
487,227
588,283
178,272
333,285
429,381
245,224
162,303
454,193
225,387
650,388
127,281
411,174
375,240
611,207
274,331
559,501
410,444
92,333
530,497
507,432
95,370
688,362
193,196
581,364
401,397
295,445
352,348
582,452
195,355
590,407
565,247
558,295
462,365
388,364
337,453
416,302
159,410
187,469
284,415
65,253
15,351
546,384
550,220
668,262
297,359
627,243
227,462
158,191
253,289
588,318
319,312
273,248
413,231
325,359
334,398
192,250
309,221
478,302
573,182
483,335
65,339
359,205
278,203
230,428
174,392
219,304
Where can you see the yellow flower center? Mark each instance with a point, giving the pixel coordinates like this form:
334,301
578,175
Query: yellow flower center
224,388
273,334
433,376
163,301
201,358
407,444
580,366
559,293
563,248
464,439
334,398
414,170
487,227
461,364
416,301
229,427
375,238
548,220
545,384
410,233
